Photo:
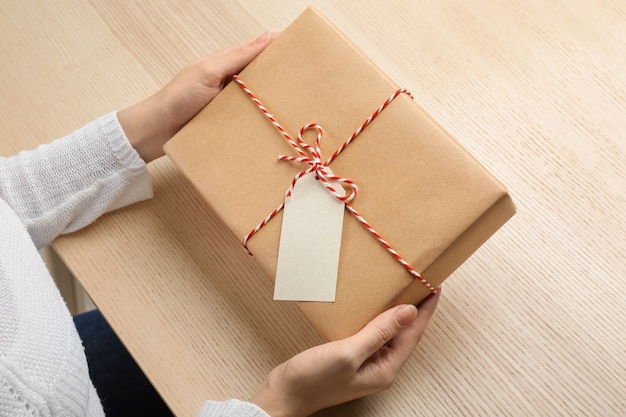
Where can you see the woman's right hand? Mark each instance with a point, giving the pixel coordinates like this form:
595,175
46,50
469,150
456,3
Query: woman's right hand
343,370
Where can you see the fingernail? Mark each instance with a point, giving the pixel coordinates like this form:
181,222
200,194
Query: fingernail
405,314
263,38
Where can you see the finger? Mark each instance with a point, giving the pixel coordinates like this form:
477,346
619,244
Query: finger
381,330
233,60
403,345
225,51
429,305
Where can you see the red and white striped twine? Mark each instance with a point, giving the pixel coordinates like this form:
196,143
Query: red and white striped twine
311,155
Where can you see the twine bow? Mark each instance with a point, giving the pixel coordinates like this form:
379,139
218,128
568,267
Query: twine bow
311,155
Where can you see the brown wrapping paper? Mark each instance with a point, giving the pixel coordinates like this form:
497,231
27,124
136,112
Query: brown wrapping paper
430,199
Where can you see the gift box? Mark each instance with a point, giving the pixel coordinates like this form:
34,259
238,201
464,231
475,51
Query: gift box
418,188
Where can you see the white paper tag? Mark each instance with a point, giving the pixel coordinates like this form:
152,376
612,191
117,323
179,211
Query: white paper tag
310,240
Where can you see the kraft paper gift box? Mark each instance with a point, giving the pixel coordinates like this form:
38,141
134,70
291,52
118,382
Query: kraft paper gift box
425,194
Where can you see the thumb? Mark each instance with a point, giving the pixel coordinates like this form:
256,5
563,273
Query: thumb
382,329
233,60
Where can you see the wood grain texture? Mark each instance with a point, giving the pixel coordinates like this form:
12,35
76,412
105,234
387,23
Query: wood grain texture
531,325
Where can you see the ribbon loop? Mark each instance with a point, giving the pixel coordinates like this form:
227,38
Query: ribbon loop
312,155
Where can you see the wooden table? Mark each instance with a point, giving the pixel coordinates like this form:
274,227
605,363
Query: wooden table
532,324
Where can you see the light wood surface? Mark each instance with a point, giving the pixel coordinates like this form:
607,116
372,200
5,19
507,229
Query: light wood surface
532,324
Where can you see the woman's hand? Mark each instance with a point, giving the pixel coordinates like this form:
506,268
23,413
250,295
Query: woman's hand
340,371
150,123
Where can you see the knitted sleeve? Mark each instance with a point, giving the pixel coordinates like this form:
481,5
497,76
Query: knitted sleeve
231,408
65,185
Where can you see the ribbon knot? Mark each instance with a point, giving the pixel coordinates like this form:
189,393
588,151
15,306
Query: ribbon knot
312,155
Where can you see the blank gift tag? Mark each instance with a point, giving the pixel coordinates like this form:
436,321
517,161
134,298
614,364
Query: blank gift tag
310,239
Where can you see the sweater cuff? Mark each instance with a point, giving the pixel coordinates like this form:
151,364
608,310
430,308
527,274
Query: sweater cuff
140,186
231,408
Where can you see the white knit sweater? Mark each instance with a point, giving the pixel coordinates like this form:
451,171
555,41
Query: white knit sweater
59,188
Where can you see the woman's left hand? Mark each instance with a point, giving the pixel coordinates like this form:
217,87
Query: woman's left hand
150,123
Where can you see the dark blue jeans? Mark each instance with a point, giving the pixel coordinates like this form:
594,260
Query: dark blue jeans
123,389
